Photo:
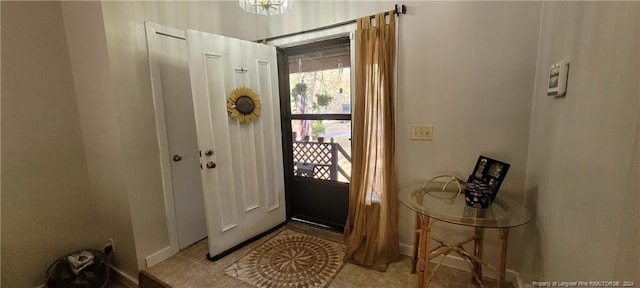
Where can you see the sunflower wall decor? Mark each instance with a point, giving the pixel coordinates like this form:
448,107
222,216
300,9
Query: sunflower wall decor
243,105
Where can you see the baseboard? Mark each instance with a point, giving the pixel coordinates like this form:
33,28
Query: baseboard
406,249
458,263
158,257
124,278
521,282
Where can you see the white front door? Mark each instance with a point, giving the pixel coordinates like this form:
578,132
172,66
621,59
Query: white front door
169,60
244,192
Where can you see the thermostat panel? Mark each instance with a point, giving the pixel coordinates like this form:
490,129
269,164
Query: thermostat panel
558,79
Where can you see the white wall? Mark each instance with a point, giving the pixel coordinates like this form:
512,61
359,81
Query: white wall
48,209
582,168
100,119
468,68
125,41
129,64
457,63
628,252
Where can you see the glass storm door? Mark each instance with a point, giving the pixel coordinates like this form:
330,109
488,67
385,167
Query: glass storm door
317,119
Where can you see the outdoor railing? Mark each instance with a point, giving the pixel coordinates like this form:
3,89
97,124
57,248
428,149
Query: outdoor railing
319,160
346,156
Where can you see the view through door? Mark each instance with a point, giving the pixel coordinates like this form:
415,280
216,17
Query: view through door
317,116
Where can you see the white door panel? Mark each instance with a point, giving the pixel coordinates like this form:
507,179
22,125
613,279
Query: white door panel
244,193
169,63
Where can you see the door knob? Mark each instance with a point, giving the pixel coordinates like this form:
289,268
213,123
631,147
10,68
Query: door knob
177,157
211,165
208,152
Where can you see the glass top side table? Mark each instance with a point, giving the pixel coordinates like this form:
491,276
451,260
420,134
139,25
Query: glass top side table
439,202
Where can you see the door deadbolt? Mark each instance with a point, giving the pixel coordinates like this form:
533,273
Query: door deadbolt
211,165
208,152
177,157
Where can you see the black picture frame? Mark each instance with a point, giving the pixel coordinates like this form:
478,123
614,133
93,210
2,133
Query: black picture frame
489,171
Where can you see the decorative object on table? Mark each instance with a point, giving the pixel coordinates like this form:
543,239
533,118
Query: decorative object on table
440,178
470,214
243,105
484,182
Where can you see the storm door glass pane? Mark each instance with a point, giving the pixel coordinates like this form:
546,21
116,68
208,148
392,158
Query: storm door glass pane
324,152
320,82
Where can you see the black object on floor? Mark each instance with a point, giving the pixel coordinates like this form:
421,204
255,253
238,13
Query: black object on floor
81,269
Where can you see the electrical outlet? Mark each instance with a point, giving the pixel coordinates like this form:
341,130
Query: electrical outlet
422,132
109,248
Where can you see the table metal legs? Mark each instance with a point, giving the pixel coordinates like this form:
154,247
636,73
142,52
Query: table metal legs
475,261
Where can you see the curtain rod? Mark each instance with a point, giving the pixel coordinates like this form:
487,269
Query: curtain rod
402,9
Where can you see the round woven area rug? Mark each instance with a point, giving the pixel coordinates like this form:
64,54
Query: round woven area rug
290,259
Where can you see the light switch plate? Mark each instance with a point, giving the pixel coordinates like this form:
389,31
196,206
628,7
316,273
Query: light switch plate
422,132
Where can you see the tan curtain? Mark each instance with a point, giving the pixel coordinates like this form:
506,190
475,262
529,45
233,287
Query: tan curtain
371,231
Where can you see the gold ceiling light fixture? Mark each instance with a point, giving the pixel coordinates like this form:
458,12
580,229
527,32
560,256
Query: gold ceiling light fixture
264,7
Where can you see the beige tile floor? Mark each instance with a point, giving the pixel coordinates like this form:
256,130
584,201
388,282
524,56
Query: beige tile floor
190,268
